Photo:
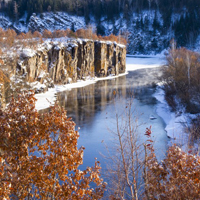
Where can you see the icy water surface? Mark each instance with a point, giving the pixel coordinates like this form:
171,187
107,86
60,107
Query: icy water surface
93,108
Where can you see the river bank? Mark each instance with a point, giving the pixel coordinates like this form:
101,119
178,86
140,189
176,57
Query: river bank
44,100
175,123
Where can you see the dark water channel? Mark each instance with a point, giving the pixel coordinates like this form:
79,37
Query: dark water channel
93,108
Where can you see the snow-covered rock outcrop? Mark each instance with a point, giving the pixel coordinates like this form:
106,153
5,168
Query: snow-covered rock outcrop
54,21
65,62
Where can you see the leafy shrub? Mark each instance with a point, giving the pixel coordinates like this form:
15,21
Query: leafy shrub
47,34
59,34
181,75
39,158
176,177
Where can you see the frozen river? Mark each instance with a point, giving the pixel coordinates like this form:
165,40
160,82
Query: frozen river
93,107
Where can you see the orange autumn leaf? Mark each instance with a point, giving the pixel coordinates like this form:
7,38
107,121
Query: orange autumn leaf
36,163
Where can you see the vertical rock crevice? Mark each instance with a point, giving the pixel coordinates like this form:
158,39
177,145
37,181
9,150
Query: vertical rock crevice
69,61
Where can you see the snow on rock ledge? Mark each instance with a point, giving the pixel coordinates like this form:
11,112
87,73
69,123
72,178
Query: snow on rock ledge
71,60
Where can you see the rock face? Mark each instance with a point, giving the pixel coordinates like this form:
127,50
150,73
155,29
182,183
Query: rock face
66,62
110,58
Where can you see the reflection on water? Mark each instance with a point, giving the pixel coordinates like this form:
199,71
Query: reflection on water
82,104
93,109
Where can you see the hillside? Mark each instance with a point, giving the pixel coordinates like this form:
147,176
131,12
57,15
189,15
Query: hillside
148,25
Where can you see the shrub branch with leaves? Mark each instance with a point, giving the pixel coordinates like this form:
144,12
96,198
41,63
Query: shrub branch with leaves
39,158
176,177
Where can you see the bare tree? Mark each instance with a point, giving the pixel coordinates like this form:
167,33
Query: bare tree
188,66
149,1
15,10
125,170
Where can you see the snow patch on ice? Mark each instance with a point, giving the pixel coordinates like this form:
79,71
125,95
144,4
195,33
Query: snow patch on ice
142,61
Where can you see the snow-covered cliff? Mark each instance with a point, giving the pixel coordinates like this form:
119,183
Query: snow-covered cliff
57,62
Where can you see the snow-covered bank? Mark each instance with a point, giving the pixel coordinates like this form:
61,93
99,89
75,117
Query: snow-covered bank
175,123
44,100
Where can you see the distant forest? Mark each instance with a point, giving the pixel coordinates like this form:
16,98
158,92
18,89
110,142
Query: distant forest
99,8
188,26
